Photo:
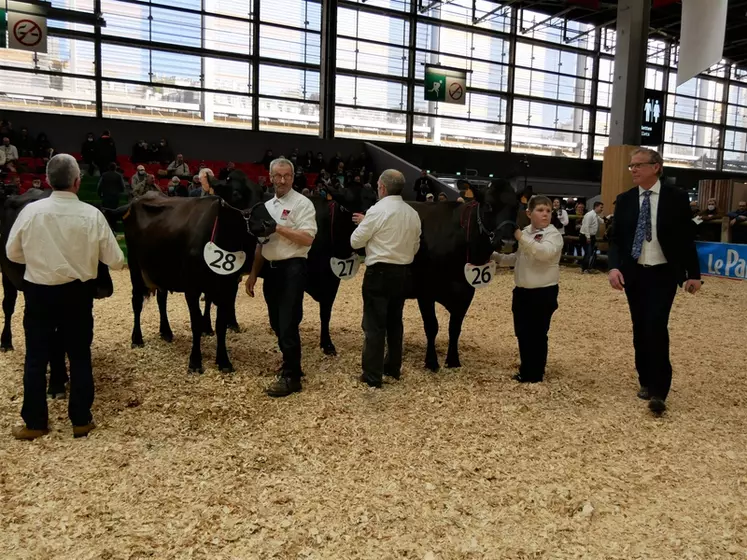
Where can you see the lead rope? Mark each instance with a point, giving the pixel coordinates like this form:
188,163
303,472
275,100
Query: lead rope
332,221
215,227
469,208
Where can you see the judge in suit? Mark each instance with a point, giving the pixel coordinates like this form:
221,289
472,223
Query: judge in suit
652,251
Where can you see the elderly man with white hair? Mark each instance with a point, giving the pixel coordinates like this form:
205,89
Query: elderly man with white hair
61,241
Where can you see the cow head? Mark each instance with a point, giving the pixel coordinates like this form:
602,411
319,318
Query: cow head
238,190
259,222
497,212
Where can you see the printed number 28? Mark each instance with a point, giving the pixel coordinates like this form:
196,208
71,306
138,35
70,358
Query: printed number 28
228,261
482,276
346,268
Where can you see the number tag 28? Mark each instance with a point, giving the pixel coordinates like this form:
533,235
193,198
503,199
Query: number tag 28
345,269
479,276
223,262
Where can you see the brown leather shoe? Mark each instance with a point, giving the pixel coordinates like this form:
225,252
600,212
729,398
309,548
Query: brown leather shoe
27,434
83,431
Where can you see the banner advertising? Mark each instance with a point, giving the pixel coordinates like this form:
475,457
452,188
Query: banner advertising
727,260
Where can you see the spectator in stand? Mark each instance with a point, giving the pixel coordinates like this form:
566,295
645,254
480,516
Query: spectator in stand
140,152
6,129
423,186
111,186
105,151
707,230
299,179
334,163
306,193
694,208
226,171
177,188
323,181
737,223
267,159
43,146
429,197
559,217
14,187
179,168
88,153
588,236
340,174
196,183
460,200
146,186
442,197
318,165
307,162
163,153
8,155
576,247
25,144
36,184
137,180
711,213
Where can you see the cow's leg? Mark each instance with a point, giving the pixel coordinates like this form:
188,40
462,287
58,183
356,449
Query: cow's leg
222,316
165,328
195,357
207,323
10,295
325,314
430,323
456,319
138,295
57,369
233,323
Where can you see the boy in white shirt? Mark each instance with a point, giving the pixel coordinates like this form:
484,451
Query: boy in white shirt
536,272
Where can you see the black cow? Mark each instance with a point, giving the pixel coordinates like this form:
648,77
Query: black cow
454,234
166,238
13,283
334,220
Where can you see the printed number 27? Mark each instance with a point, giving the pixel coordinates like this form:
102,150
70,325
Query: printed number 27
346,264
227,264
482,276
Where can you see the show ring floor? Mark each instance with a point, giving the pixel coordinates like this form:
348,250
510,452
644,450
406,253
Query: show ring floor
461,464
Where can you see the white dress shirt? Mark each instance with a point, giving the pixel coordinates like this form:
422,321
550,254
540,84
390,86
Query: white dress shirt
651,254
10,152
563,217
590,224
390,232
297,212
537,262
61,239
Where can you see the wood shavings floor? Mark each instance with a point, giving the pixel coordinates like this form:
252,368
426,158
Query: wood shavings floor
461,464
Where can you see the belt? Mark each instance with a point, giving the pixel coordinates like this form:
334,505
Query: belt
284,262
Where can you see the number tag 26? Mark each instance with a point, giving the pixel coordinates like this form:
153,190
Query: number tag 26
479,276
345,269
223,262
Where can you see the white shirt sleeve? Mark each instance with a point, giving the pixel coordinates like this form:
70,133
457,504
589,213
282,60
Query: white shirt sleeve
307,218
365,230
563,218
109,252
546,249
14,246
13,152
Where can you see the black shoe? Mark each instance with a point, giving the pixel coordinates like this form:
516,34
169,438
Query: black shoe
393,375
521,379
644,394
369,382
284,386
657,406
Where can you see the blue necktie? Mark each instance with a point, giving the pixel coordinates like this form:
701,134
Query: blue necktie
643,229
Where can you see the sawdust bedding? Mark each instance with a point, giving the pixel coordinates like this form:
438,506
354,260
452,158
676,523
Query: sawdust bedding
461,464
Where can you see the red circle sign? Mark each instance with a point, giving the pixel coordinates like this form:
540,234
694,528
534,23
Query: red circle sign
456,91
27,32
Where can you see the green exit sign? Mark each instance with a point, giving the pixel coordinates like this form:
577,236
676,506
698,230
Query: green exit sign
3,29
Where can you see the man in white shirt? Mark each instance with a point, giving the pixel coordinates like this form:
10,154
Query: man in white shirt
61,241
9,154
282,264
588,234
390,232
652,250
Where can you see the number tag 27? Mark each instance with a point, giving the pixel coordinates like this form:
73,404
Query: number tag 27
479,276
223,262
345,269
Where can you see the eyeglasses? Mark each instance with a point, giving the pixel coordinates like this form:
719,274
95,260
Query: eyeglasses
638,165
286,177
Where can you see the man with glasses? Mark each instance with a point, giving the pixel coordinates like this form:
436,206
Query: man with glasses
282,262
652,251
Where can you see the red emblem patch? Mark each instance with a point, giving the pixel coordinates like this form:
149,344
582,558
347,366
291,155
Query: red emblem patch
538,237
284,215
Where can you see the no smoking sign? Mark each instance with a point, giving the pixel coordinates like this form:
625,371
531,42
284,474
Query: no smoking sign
27,32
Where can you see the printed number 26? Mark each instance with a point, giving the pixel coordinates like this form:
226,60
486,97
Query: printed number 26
228,261
482,276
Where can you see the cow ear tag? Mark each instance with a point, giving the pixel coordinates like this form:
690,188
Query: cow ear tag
479,276
345,269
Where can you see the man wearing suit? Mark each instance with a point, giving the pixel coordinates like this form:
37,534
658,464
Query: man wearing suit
652,251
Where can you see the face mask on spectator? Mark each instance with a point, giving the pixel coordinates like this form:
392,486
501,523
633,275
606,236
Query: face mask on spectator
711,207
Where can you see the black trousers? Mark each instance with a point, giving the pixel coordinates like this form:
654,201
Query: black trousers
650,292
67,309
384,289
590,252
285,282
533,309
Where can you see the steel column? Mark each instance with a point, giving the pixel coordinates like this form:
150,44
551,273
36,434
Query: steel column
254,85
98,71
328,69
